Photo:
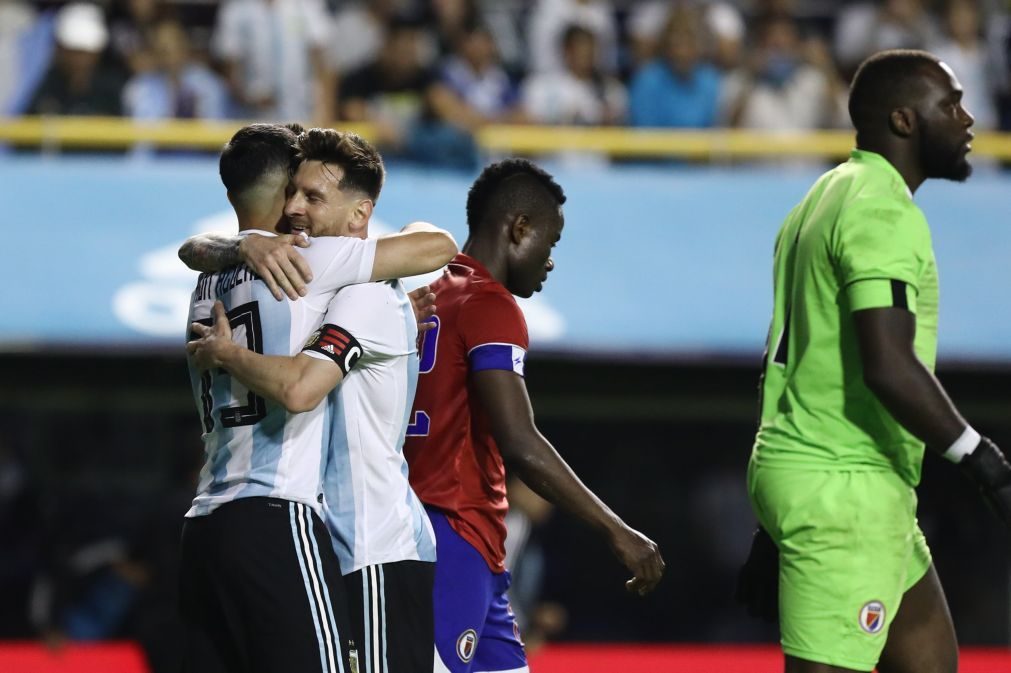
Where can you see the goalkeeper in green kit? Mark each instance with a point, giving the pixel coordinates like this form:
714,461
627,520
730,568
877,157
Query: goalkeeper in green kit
849,399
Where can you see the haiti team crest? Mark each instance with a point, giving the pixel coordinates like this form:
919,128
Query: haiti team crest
872,617
466,644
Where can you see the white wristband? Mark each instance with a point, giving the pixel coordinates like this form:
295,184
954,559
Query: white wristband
963,446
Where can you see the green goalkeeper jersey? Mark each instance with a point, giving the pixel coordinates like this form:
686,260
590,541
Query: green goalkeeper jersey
856,241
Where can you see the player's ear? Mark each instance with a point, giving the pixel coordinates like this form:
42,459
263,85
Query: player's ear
361,214
902,121
519,228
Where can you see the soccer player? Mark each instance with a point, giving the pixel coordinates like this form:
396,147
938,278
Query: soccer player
364,358
261,586
472,412
848,395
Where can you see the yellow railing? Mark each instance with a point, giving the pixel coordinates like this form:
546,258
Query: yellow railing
113,133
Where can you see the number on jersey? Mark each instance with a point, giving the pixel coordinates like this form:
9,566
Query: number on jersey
247,317
421,423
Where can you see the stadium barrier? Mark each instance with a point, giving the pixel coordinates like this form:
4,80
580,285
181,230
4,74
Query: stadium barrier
619,142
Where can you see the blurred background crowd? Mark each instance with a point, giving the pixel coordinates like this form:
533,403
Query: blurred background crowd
429,73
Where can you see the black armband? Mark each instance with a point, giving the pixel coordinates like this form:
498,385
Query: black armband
336,343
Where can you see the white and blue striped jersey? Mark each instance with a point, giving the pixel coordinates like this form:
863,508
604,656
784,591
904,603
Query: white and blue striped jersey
252,445
369,507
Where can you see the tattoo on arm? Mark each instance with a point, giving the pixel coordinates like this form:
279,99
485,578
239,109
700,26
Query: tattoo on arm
208,253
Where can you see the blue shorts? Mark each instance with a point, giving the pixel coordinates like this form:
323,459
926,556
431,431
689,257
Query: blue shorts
475,629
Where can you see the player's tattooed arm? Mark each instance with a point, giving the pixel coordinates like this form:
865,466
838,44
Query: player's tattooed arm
533,459
272,258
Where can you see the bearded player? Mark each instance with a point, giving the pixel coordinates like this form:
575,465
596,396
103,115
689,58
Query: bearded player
849,395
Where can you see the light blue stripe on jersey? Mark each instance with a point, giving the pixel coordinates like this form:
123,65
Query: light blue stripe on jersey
268,434
497,356
340,492
424,541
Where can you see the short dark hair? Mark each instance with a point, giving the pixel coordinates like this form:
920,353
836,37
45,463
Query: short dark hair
573,32
358,158
885,81
253,152
507,187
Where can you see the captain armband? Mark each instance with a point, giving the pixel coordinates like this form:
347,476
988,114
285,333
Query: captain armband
337,344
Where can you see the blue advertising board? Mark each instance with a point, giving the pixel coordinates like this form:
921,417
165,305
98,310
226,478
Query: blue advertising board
668,261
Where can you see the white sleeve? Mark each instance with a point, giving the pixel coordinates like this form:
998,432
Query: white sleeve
378,316
337,261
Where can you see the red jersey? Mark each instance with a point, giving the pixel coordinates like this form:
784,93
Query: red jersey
455,465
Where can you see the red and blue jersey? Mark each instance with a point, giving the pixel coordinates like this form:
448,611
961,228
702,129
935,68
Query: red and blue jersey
455,465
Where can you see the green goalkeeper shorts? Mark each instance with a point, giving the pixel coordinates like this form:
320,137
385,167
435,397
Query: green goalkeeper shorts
849,548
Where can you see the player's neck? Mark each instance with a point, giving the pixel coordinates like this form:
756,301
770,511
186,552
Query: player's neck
263,220
901,160
490,254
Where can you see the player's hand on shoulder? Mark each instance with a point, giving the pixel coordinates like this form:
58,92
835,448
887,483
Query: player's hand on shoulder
989,469
276,261
641,556
211,341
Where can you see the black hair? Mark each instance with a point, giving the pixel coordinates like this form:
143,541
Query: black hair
359,160
510,186
885,81
575,31
253,152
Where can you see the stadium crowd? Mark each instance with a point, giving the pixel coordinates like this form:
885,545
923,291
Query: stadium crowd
428,73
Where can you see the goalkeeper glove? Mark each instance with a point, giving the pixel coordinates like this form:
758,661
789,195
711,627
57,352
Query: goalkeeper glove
988,469
758,579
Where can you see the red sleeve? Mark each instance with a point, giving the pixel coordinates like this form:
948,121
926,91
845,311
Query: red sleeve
492,318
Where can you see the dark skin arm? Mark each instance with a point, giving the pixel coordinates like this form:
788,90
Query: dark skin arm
531,457
900,381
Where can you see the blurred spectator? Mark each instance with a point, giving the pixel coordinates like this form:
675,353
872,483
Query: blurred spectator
16,20
679,88
414,114
392,90
789,84
449,20
722,20
866,28
358,33
550,19
274,59
79,82
506,21
578,93
473,76
962,47
129,32
178,87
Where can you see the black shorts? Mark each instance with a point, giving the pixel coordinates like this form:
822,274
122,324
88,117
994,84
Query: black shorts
261,591
391,616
